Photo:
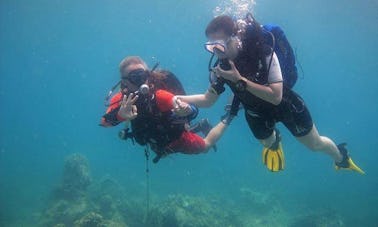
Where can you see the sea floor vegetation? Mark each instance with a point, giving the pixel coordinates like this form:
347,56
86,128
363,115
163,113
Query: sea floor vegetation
81,201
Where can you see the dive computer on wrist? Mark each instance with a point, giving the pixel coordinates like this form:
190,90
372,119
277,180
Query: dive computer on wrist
241,85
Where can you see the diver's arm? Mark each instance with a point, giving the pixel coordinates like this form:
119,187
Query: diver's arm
112,117
272,92
201,100
167,101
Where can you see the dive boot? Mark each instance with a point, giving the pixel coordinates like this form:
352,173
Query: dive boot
273,157
347,162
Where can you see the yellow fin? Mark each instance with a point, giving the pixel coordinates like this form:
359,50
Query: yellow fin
352,166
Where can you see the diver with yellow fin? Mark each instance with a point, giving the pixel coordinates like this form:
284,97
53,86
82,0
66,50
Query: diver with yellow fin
347,163
273,157
257,63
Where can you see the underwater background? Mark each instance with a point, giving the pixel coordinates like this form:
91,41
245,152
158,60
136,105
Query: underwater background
58,60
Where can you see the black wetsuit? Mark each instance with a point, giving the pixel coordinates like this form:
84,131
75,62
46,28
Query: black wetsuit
262,115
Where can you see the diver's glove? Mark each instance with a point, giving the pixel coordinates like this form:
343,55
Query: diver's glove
273,157
347,162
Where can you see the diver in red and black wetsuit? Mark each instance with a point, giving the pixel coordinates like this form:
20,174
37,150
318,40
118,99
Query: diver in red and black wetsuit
158,119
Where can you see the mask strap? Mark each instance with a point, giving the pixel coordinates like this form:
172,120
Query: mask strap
155,66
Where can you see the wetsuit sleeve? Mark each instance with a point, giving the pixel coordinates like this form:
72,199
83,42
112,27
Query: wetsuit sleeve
275,74
111,117
164,100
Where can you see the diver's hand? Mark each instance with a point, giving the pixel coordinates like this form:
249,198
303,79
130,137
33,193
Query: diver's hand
180,108
128,110
232,75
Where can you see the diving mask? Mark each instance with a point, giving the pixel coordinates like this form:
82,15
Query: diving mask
137,77
217,45
224,48
133,78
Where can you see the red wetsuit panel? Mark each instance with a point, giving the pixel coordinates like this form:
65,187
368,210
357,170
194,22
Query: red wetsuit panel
188,143
164,100
115,102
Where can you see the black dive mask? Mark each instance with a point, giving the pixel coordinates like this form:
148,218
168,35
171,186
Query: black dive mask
137,77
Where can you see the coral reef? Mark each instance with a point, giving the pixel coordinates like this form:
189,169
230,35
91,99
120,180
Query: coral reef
72,204
114,202
79,202
64,212
76,178
262,203
258,208
318,219
183,210
91,219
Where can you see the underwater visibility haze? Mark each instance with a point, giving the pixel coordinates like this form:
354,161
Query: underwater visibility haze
58,167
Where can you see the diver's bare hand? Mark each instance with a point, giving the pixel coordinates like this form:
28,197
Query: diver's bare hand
181,108
128,110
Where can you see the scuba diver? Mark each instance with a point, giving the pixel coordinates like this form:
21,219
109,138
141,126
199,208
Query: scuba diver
158,119
250,64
